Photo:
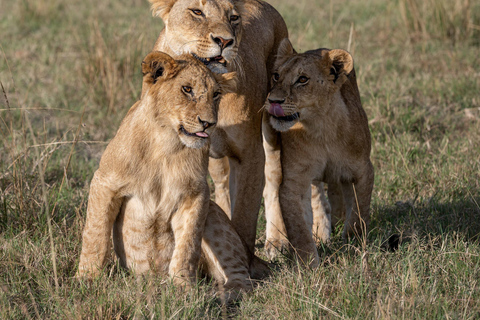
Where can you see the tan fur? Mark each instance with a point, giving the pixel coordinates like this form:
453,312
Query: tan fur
151,186
253,37
315,130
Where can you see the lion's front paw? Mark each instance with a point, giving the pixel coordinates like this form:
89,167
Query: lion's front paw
182,278
182,283
87,272
274,247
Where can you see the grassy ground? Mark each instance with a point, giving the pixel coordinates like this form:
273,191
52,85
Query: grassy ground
69,71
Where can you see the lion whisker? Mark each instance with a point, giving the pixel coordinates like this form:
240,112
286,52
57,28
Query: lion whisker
237,63
264,107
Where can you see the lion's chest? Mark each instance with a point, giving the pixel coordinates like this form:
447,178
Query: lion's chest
163,194
143,232
328,158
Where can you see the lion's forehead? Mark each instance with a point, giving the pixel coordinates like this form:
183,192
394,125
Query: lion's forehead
199,78
211,8
218,5
196,77
299,66
193,68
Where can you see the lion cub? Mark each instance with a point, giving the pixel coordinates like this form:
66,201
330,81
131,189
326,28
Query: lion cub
151,186
315,130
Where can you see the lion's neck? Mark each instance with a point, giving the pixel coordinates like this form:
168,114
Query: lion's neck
155,132
162,44
326,121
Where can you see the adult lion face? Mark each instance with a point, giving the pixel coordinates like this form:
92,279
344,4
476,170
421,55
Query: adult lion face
209,30
303,85
184,95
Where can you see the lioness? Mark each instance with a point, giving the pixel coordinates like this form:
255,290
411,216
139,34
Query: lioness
230,35
151,185
315,131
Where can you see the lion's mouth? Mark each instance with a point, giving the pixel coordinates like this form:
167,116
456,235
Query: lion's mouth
212,60
290,117
276,110
200,134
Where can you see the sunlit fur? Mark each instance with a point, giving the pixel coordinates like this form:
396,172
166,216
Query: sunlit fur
237,163
328,142
151,186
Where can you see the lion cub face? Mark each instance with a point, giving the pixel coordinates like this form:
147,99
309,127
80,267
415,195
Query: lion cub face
183,95
209,30
303,85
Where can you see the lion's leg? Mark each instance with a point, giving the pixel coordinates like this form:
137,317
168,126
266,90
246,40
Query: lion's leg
246,186
188,225
136,244
224,255
131,239
295,186
276,239
219,170
103,208
307,209
358,197
322,227
335,197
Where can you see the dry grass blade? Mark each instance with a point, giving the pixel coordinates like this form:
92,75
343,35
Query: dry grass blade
77,135
301,297
46,207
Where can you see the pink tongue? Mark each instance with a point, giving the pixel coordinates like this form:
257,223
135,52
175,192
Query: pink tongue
276,110
202,134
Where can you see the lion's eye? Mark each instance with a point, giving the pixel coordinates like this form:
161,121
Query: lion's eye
216,95
187,89
234,17
275,76
302,79
197,12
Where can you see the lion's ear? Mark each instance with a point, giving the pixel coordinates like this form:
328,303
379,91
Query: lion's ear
240,7
285,51
340,64
161,8
157,65
228,81
285,48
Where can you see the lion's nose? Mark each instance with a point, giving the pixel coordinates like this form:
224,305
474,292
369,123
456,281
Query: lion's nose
280,101
223,43
205,124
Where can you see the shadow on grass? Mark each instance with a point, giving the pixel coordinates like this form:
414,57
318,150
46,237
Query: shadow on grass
426,218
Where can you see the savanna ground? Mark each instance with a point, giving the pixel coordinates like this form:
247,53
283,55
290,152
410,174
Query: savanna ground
69,71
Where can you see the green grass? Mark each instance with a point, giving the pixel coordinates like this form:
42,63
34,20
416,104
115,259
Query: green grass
71,69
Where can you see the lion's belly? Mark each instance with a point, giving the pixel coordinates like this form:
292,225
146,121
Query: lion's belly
143,242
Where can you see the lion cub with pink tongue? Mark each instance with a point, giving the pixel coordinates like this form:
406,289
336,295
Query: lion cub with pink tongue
315,131
151,187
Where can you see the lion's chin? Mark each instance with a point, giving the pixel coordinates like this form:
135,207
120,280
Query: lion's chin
217,68
193,140
283,123
215,64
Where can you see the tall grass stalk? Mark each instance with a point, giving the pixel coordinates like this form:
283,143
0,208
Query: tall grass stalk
74,143
441,19
41,173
